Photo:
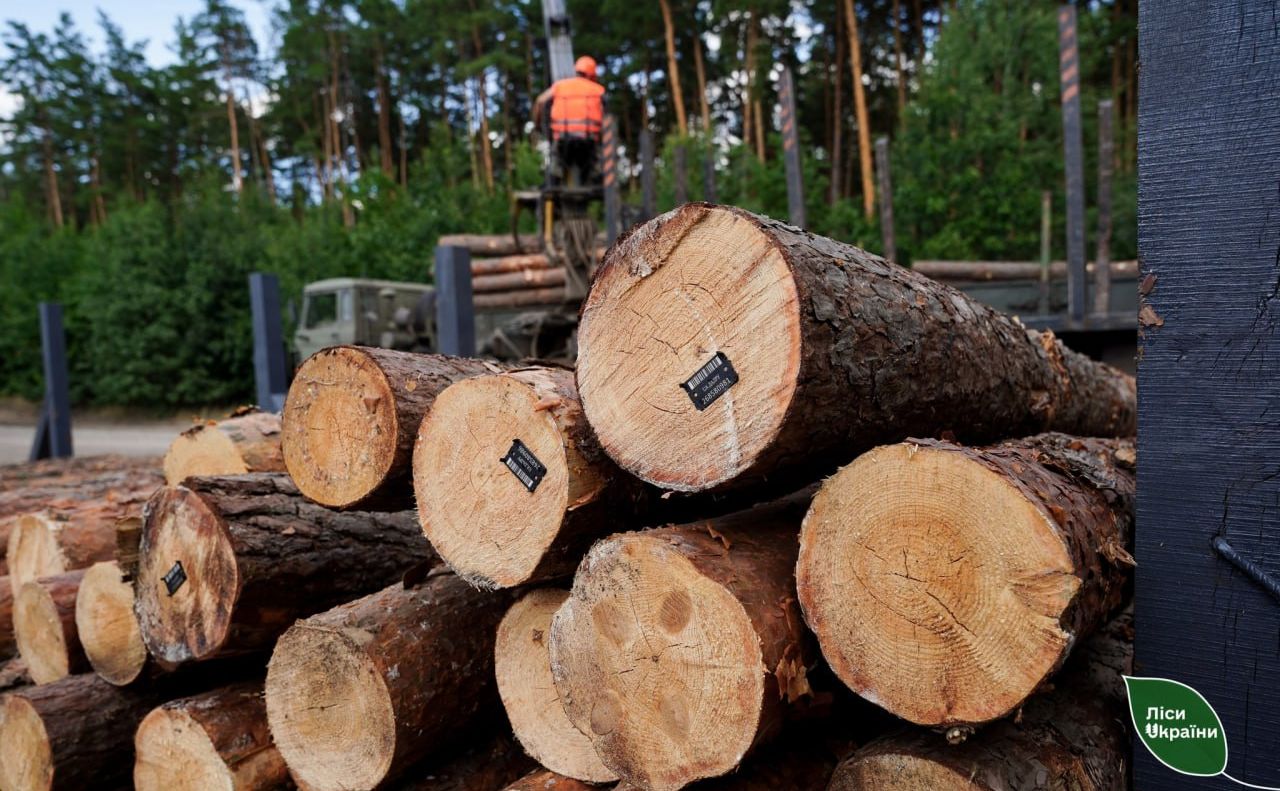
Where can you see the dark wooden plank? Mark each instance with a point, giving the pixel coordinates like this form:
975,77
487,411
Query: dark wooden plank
1209,438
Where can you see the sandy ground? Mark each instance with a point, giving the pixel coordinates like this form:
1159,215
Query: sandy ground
93,438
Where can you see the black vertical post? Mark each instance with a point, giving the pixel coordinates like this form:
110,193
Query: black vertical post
612,203
268,341
1102,261
1073,155
886,199
791,150
1208,473
709,174
647,186
53,434
455,311
681,174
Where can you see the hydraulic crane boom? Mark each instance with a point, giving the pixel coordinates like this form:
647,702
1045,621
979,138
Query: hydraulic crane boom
555,20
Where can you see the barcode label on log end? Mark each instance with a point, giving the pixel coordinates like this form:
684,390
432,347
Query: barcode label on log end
174,578
710,381
524,465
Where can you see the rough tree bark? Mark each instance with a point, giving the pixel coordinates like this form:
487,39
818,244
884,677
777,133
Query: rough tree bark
522,665
73,734
947,584
229,563
680,648
248,441
833,351
351,417
44,624
107,625
8,643
521,279
1073,738
411,666
491,520
217,740
477,765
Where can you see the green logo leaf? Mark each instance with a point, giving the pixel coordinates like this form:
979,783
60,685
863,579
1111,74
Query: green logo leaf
1177,725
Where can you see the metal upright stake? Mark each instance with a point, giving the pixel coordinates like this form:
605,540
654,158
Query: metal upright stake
612,202
455,311
53,434
269,373
791,150
646,175
1073,151
886,199
1102,261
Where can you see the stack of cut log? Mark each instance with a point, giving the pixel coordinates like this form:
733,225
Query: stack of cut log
800,519
511,272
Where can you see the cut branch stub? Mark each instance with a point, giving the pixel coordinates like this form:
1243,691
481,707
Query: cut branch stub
719,348
678,647
511,484
946,584
523,668
352,415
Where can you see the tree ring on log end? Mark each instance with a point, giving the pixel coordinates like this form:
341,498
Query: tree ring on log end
26,760
935,585
107,625
694,282
523,668
40,637
478,514
658,664
33,550
202,450
340,427
904,772
330,712
174,753
185,613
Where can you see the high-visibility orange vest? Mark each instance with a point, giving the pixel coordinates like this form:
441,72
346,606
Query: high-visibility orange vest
577,107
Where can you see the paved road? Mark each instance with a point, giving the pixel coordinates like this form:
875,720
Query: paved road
148,439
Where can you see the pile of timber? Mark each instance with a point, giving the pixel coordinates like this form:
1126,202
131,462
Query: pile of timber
800,519
511,272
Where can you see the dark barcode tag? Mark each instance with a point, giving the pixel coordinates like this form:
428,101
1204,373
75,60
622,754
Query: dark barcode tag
524,465
710,381
174,579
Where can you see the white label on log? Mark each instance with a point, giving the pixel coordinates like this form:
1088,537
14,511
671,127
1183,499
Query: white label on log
174,578
524,465
710,381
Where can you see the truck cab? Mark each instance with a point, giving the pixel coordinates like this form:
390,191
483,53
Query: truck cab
365,312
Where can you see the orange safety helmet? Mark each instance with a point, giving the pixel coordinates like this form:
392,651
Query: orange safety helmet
586,66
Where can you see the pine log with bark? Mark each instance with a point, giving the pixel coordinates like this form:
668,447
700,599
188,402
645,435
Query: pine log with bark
1073,738
521,297
547,780
248,441
44,623
522,665
480,763
517,281
482,267
8,642
13,674
680,647
720,348
73,530
495,244
216,740
410,666
228,564
946,584
351,417
108,626
73,734
481,500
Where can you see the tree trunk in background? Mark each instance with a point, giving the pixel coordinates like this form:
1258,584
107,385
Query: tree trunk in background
236,183
52,192
486,149
757,109
919,25
897,51
837,120
384,116
749,65
673,69
860,109
404,156
702,85
99,204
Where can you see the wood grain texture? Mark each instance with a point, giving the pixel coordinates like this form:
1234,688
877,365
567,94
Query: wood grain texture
108,626
1208,240
248,441
44,622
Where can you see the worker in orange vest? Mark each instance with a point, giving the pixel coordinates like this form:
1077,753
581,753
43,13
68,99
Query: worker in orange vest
577,116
